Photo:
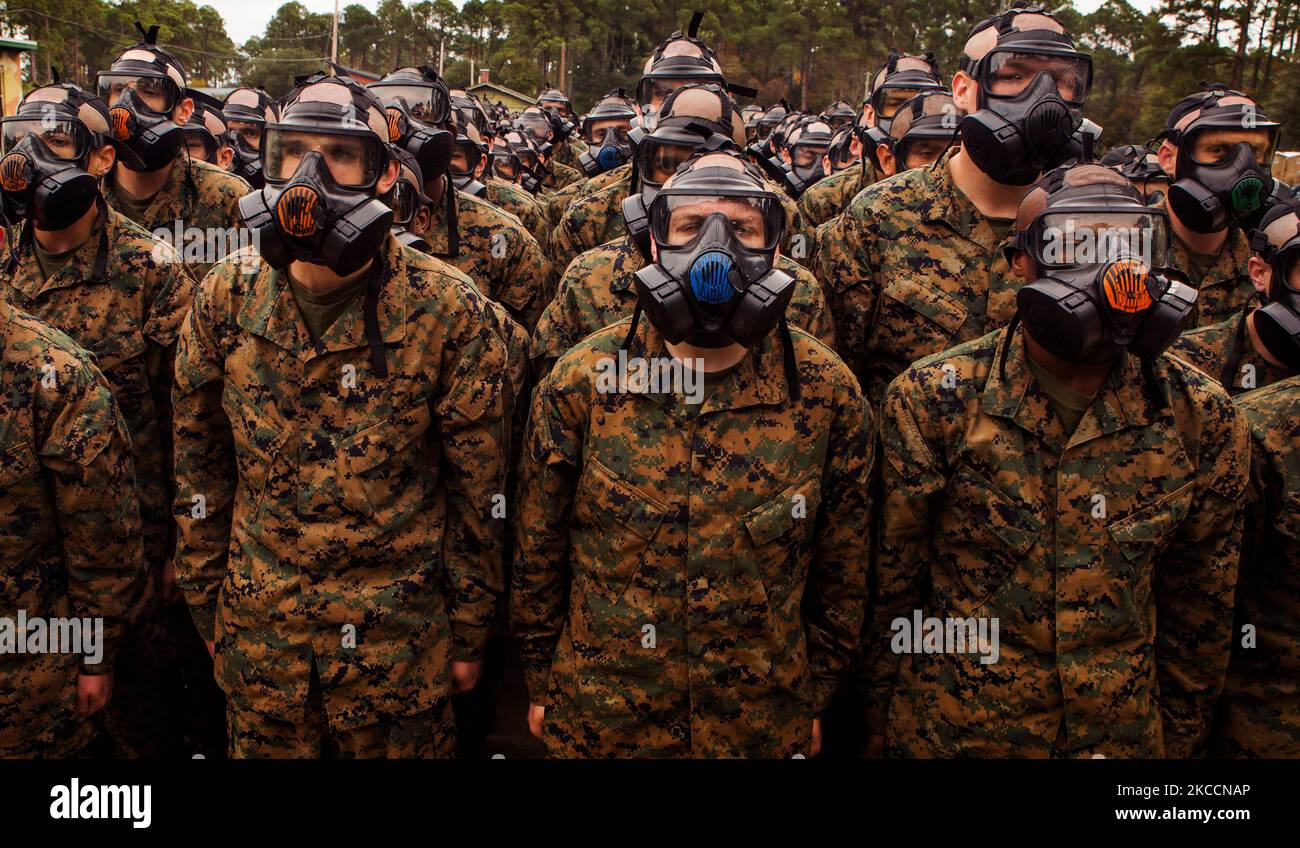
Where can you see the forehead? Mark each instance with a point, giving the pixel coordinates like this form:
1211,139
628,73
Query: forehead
87,114
1218,135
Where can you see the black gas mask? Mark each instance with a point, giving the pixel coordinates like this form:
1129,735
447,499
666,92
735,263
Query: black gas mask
306,215
607,149
1277,322
1103,283
658,156
1212,193
139,121
893,87
431,146
805,166
720,286
245,163
51,190
1018,133
463,176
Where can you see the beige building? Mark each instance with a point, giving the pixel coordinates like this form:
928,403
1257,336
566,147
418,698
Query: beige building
11,72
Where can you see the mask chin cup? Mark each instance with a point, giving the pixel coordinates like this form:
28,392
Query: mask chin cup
356,236
1197,207
406,238
155,147
63,197
257,210
761,307
1060,318
1015,152
432,150
1278,328
1166,320
637,220
665,303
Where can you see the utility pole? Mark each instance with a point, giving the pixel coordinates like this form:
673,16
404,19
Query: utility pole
442,53
564,50
334,35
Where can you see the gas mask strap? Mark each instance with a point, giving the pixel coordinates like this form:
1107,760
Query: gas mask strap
101,253
631,330
18,246
1234,353
1006,346
453,228
787,356
956,130
370,313
1153,384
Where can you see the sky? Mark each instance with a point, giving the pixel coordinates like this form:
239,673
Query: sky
246,18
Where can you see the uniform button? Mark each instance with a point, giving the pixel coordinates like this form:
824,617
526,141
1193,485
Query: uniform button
701,584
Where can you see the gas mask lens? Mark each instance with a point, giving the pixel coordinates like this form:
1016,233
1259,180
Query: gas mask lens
602,135
807,156
679,219
354,160
505,165
1073,238
1217,146
1007,74
535,125
246,135
157,93
402,200
424,103
65,138
886,101
465,157
660,160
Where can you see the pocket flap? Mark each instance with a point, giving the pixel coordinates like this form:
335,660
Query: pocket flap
1151,524
377,444
17,462
776,518
118,348
1008,519
936,305
610,496
251,428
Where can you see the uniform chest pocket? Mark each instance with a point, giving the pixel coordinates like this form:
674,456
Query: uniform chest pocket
17,463
781,525
1144,535
385,472
918,319
258,441
614,523
121,358
984,535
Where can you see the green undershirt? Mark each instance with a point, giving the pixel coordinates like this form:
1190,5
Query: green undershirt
1000,226
1200,264
712,379
52,263
320,310
1068,404
130,206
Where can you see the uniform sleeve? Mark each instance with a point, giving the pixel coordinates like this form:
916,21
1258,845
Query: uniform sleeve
1194,586
170,296
531,280
88,453
837,579
809,312
912,483
548,478
206,474
555,331
846,266
564,241
473,420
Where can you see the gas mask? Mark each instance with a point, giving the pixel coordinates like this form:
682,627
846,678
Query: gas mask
307,216
246,163
405,198
612,149
1211,197
147,131
1103,285
718,288
463,177
431,147
1015,136
1277,322
894,87
805,166
54,192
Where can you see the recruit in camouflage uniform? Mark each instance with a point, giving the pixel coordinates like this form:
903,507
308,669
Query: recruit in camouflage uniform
391,568
530,212
1108,558
1213,254
1225,352
690,528
830,196
597,218
598,289
70,520
498,254
560,200
1259,712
